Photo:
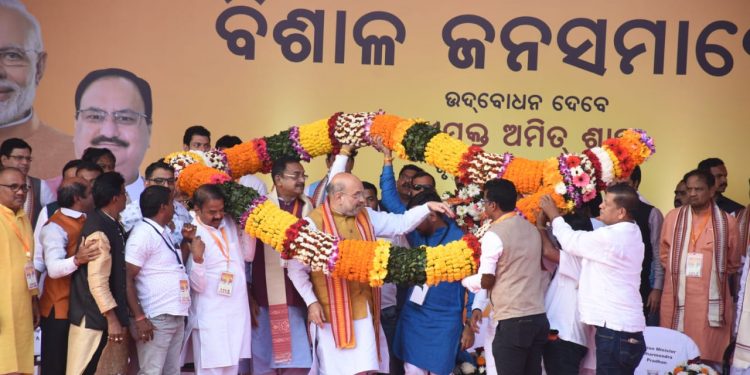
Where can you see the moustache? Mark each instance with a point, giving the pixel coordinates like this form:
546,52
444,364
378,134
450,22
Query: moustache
300,185
114,140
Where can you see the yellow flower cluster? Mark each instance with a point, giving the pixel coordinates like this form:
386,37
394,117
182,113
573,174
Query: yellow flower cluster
450,262
379,269
616,169
269,223
445,152
314,138
398,135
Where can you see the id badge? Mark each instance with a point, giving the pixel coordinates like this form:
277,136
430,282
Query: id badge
694,265
418,294
225,284
30,273
184,291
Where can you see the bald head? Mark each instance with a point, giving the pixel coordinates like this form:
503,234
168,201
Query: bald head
13,188
75,193
346,194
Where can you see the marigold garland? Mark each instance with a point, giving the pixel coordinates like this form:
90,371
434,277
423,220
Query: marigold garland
314,138
570,179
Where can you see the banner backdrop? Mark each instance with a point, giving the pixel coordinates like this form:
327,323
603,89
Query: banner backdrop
531,77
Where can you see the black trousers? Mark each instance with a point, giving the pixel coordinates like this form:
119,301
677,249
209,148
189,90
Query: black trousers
519,343
54,344
563,357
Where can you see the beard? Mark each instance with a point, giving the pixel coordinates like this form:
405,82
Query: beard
20,101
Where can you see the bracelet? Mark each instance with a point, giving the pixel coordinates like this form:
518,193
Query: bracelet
346,152
388,159
140,318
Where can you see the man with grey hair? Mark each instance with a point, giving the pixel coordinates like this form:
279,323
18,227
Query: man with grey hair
22,63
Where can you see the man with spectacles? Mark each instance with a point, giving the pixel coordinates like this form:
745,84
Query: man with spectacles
16,153
114,110
161,174
344,215
22,65
19,306
680,194
273,290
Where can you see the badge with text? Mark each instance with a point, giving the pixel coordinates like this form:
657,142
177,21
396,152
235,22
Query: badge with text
30,273
694,265
184,291
225,284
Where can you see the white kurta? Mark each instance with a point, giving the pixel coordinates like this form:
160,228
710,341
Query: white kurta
223,322
327,359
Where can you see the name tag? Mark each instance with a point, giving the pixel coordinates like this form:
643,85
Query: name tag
225,284
418,294
184,291
694,265
30,273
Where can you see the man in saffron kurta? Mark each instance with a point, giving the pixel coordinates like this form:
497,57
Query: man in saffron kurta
699,253
349,340
19,309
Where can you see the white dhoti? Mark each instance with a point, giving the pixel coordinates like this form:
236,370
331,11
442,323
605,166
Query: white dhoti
329,360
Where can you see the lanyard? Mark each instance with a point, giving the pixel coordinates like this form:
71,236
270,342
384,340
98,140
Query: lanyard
224,251
12,223
166,242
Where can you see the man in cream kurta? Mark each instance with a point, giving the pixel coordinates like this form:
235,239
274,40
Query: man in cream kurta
218,332
344,213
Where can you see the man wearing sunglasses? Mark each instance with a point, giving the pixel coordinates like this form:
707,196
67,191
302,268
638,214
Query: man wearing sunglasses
161,174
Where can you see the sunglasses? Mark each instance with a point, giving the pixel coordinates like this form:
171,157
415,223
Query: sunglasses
420,187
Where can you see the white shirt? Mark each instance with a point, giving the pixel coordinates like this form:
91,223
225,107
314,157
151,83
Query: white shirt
158,281
46,195
385,225
608,293
255,183
53,241
492,249
561,300
134,189
132,216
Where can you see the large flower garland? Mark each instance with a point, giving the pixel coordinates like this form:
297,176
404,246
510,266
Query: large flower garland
571,179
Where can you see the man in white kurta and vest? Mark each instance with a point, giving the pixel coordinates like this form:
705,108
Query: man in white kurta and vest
218,332
350,340
286,348
511,270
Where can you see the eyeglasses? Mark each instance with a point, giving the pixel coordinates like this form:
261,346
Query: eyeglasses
15,57
121,118
21,158
163,181
296,176
16,187
420,187
358,195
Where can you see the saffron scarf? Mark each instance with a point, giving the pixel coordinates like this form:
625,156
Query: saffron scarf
340,306
678,259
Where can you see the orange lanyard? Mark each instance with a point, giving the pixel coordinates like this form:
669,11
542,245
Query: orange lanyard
505,216
224,251
694,235
12,223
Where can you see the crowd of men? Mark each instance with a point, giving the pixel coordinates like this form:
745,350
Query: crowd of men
125,274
